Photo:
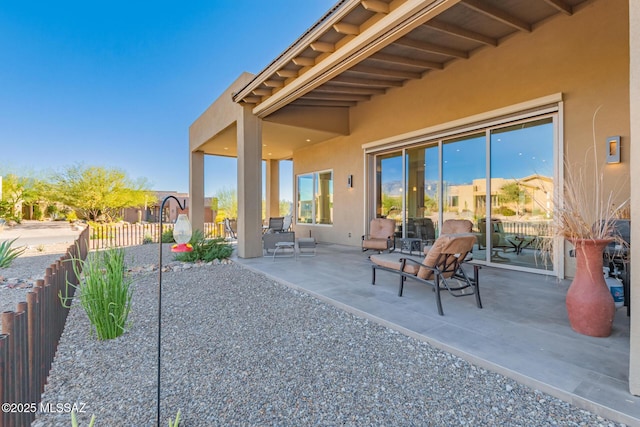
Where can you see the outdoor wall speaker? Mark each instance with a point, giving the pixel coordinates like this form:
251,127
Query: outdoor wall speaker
613,149
349,181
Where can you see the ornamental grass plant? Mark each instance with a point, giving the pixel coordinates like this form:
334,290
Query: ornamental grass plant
104,291
584,209
587,210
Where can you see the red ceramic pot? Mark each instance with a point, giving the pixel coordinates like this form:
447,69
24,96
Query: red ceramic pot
590,305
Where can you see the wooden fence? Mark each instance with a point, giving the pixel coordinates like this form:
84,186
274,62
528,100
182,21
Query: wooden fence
125,234
30,337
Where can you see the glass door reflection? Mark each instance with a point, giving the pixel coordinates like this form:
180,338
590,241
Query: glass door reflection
422,195
521,193
389,188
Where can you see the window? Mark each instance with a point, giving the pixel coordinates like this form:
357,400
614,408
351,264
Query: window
315,198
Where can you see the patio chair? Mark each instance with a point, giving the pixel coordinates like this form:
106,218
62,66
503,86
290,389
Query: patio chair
441,268
499,239
270,240
380,237
276,224
286,223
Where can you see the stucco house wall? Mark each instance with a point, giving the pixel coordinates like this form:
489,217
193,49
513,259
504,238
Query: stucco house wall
585,57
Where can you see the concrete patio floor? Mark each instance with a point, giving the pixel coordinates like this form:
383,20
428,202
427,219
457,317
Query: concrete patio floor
522,331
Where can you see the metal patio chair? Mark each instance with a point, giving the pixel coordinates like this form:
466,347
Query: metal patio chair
441,268
380,237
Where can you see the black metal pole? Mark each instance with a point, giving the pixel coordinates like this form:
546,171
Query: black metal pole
181,207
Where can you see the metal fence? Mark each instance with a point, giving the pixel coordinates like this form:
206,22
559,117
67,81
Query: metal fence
30,337
125,234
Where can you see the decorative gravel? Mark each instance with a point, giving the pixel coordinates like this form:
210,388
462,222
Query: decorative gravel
240,349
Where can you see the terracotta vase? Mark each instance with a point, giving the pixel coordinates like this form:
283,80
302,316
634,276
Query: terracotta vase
589,302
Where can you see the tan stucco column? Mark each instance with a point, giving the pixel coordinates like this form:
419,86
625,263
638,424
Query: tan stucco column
634,171
196,190
273,188
249,184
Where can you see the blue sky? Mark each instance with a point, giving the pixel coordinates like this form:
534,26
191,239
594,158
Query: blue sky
117,83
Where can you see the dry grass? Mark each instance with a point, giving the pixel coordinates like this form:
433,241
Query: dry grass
584,209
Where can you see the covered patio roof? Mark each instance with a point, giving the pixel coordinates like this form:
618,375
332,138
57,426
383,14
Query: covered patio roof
364,48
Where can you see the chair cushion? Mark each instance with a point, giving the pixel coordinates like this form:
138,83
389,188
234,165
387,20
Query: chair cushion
392,261
381,228
378,244
453,226
457,245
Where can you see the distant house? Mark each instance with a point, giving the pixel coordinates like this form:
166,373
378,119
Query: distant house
151,211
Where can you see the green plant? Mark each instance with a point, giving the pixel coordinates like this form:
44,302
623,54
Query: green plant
74,421
147,239
105,291
71,215
175,423
40,248
205,249
8,254
167,236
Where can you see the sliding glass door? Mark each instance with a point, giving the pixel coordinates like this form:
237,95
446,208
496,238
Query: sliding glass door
500,177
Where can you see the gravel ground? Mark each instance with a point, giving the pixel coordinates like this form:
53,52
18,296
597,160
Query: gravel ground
240,349
18,278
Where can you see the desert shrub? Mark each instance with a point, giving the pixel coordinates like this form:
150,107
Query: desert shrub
8,254
205,249
104,291
506,211
167,236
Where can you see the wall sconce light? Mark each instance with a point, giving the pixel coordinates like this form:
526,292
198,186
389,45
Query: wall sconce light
613,149
349,181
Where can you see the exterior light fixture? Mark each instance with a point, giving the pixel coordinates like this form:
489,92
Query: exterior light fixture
349,181
182,235
613,149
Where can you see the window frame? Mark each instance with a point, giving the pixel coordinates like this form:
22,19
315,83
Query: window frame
315,181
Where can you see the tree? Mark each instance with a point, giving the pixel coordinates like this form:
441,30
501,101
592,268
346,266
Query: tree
98,193
17,191
227,202
514,194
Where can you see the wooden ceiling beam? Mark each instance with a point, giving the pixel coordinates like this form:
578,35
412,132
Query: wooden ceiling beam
273,83
304,61
328,87
358,81
365,69
431,48
252,99
335,96
375,6
323,47
347,29
322,103
497,14
403,60
561,6
262,92
461,32
287,73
